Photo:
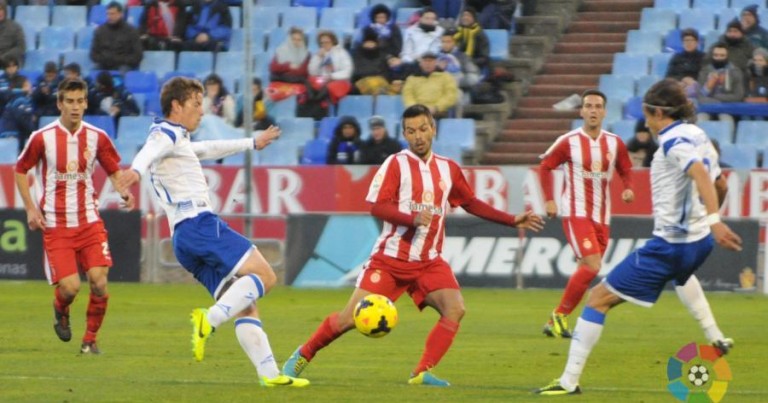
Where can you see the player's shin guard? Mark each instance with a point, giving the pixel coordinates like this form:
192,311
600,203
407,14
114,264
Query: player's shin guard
588,329
243,292
326,333
97,307
60,302
692,296
578,284
255,343
438,343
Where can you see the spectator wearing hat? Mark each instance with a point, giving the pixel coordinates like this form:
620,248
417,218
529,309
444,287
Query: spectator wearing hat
380,146
371,76
750,24
431,87
388,34
344,148
45,93
12,43
757,88
471,38
422,37
116,44
105,98
739,47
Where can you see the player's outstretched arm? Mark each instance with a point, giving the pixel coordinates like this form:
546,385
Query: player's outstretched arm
266,137
389,212
527,220
722,234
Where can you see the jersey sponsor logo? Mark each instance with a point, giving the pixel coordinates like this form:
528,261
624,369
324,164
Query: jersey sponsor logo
436,210
595,175
70,176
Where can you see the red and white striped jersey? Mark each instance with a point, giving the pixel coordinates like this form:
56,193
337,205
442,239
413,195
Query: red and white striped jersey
588,166
65,163
416,185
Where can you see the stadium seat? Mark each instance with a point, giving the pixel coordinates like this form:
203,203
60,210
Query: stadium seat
31,75
61,39
141,82
725,16
738,156
676,5
633,108
389,106
237,41
159,61
265,18
613,112
657,20
576,123
133,16
499,42
700,19
752,132
624,128
278,36
84,37
740,4
709,4
660,64
460,132
36,59
74,17
644,83
152,105
9,150
284,109
97,15
30,36
103,122
199,63
141,101
280,153
327,127
672,41
81,57
45,121
357,5
404,14
357,106
617,88
318,4
642,42
710,38
134,128
274,3
36,17
634,65
315,152
303,17
452,151
338,19
299,130
718,130
237,20
230,66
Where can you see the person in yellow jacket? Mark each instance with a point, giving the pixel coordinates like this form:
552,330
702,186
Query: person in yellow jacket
431,87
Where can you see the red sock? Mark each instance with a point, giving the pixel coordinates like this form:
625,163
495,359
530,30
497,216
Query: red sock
574,291
97,307
60,302
438,343
325,334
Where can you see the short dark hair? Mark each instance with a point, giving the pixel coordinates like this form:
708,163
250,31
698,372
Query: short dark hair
594,92
71,84
114,4
179,89
689,32
414,111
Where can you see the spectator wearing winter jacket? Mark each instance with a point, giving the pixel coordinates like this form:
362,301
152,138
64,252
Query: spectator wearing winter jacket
116,44
422,37
371,70
388,34
471,38
104,98
431,87
344,148
331,66
380,146
209,26
162,25
45,94
750,24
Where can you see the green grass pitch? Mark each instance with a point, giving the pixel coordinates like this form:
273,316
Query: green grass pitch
499,354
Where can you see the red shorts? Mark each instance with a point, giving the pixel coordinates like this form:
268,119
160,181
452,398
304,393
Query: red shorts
66,249
586,236
418,278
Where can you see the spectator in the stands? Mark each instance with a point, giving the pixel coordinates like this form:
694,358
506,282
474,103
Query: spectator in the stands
162,24
9,79
446,9
422,37
720,81
757,89
209,26
46,91
105,98
454,62
380,146
217,100
289,68
686,65
472,40
261,120
12,42
494,14
641,146
116,44
72,70
388,34
18,115
371,70
344,148
739,47
431,87
750,24
331,67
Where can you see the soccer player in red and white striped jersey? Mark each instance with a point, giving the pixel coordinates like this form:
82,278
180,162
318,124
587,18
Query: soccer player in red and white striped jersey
411,193
589,155
64,153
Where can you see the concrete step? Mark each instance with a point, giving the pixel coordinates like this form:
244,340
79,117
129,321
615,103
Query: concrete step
605,16
510,159
573,68
520,147
545,113
588,37
576,48
531,135
567,79
611,6
579,58
557,125
603,26
556,91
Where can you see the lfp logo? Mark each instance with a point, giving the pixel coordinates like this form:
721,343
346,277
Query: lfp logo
698,373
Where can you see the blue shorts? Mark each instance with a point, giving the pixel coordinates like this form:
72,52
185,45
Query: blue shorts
641,276
210,250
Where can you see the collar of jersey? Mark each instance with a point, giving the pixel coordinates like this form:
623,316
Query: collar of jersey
431,155
670,126
161,120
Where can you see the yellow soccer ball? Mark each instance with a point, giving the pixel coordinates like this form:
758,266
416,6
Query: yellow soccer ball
375,316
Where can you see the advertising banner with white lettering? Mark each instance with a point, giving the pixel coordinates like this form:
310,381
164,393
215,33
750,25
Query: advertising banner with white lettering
329,251
21,250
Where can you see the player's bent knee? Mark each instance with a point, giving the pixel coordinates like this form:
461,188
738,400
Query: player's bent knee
454,313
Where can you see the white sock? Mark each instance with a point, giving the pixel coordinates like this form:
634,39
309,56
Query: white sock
255,343
585,335
241,294
692,296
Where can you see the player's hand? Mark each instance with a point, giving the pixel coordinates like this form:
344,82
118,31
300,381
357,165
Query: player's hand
35,219
628,196
266,137
725,237
551,208
129,202
529,220
126,179
423,218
